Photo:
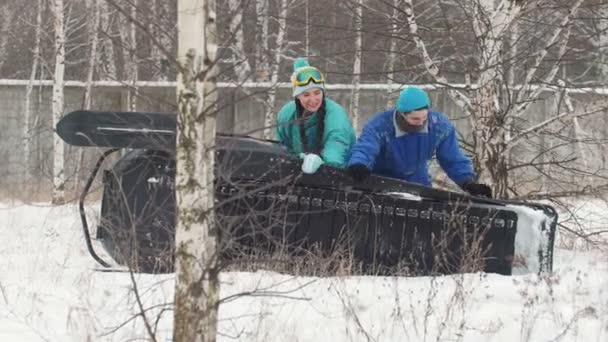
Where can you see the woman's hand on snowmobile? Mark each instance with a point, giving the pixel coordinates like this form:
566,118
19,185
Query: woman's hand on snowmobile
311,162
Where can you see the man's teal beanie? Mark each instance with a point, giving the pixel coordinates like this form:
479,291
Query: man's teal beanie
412,98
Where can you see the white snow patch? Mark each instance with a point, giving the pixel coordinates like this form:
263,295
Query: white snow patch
530,240
405,195
49,292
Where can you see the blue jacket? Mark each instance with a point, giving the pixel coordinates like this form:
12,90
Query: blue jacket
392,153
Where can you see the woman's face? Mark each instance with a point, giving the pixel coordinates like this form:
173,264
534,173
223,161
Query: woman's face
311,99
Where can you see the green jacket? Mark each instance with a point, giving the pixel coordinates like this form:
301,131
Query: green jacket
338,136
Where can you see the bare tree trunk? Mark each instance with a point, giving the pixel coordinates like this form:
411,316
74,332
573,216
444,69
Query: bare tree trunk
88,90
242,65
108,55
274,74
602,43
512,53
602,47
58,196
354,95
133,71
579,134
559,37
94,40
307,29
485,114
242,69
197,266
39,154
392,54
128,34
489,132
5,24
159,28
262,64
27,107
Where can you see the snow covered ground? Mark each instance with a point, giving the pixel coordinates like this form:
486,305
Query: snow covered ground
49,291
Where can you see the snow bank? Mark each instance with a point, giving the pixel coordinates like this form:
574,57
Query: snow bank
49,292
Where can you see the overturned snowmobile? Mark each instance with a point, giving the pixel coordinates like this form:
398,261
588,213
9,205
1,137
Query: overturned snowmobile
268,211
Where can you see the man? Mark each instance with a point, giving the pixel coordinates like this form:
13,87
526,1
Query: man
400,143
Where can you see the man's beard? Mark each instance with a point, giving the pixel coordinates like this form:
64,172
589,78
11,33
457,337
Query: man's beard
408,128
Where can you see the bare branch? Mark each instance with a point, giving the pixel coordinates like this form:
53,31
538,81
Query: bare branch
566,115
159,45
459,98
540,57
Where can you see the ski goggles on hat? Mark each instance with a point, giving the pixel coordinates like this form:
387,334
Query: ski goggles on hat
307,75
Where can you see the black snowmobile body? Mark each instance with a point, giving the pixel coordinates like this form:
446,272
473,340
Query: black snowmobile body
267,209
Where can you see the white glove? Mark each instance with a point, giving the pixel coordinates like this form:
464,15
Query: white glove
311,163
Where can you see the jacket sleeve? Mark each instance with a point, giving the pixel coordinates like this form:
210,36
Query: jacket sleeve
283,129
339,138
453,161
367,147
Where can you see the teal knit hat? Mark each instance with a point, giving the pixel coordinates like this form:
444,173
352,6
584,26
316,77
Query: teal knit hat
412,98
301,66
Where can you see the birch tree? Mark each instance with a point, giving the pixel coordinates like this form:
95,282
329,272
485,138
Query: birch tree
266,69
95,14
392,52
5,24
261,50
354,96
94,41
490,107
240,60
107,55
602,41
160,27
280,45
128,34
196,259
29,89
139,32
58,196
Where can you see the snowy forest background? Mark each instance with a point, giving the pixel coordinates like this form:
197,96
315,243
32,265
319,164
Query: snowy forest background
524,81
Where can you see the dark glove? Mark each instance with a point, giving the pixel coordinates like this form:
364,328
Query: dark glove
358,172
477,189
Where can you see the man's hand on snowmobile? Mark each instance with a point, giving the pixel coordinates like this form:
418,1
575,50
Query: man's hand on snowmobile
358,172
477,189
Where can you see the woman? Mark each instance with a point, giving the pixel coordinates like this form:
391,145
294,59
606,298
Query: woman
312,126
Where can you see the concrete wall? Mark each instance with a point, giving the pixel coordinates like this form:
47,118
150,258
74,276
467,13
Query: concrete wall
241,113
